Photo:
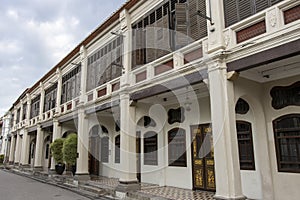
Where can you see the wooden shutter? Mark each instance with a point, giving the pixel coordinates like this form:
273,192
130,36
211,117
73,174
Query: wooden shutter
150,43
138,47
108,67
273,2
245,9
162,37
230,10
261,5
198,25
181,25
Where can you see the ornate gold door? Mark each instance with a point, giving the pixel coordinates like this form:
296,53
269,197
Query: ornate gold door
203,157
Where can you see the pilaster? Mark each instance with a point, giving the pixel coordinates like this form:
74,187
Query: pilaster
56,134
17,150
25,148
12,149
39,148
82,171
227,167
83,61
42,100
59,87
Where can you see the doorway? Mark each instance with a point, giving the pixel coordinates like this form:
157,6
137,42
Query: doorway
138,155
203,158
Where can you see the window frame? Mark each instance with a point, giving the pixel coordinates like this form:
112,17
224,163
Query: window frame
150,148
276,142
177,162
249,149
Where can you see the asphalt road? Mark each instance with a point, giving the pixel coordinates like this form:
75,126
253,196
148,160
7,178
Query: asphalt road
14,187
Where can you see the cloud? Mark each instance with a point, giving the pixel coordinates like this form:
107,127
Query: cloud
36,34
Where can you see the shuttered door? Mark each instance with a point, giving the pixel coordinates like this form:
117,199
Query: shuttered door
181,25
108,67
162,37
230,10
198,25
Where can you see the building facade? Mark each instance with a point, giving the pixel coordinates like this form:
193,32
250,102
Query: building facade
196,94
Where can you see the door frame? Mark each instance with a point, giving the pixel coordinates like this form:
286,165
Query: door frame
138,156
192,127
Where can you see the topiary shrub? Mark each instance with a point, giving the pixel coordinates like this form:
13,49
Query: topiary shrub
70,149
56,150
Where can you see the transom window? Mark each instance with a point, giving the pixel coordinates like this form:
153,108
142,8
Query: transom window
177,147
245,144
287,142
150,148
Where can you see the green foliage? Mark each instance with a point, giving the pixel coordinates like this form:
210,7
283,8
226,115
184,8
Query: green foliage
1,158
70,149
56,150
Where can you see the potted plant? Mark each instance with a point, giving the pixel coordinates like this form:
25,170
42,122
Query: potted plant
56,151
70,151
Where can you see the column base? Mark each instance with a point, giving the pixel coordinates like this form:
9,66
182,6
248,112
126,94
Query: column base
218,197
128,186
25,166
11,162
82,177
38,169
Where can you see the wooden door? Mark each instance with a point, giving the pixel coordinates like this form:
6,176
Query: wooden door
94,156
203,158
138,155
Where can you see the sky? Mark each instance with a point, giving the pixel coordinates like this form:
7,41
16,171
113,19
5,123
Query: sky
36,34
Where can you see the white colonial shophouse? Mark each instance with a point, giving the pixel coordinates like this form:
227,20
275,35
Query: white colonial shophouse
197,94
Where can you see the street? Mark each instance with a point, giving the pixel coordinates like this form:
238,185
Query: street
14,187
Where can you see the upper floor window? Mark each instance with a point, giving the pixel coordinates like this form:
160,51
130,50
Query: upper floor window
166,28
24,111
71,85
245,144
106,64
35,107
177,147
287,142
50,98
18,115
150,148
237,10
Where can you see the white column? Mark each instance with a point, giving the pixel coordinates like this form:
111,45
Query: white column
214,9
39,148
56,134
59,87
42,100
82,171
28,108
25,148
12,150
17,151
83,60
227,167
128,141
21,112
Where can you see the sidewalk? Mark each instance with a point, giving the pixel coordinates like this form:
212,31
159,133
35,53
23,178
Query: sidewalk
106,188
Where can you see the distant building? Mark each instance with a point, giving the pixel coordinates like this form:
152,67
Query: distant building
195,94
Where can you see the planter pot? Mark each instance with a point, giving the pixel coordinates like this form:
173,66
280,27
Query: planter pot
60,168
73,169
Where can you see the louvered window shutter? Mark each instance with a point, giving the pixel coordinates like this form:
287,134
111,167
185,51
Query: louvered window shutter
198,25
273,2
261,5
230,10
162,36
245,9
140,38
150,43
108,68
181,25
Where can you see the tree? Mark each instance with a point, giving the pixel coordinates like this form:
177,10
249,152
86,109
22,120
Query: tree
70,149
56,150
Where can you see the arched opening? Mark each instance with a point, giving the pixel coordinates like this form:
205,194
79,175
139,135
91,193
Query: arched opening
150,148
287,142
46,154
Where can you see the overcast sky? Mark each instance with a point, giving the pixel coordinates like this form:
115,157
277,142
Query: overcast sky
36,34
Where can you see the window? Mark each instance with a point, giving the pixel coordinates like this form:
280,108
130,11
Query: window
117,149
287,142
35,107
18,115
245,145
177,147
47,152
105,64
104,149
237,10
150,148
71,85
50,98
24,111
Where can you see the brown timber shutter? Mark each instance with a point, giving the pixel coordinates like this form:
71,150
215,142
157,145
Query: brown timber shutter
181,25
198,25
230,9
245,9
273,2
261,5
162,37
150,43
